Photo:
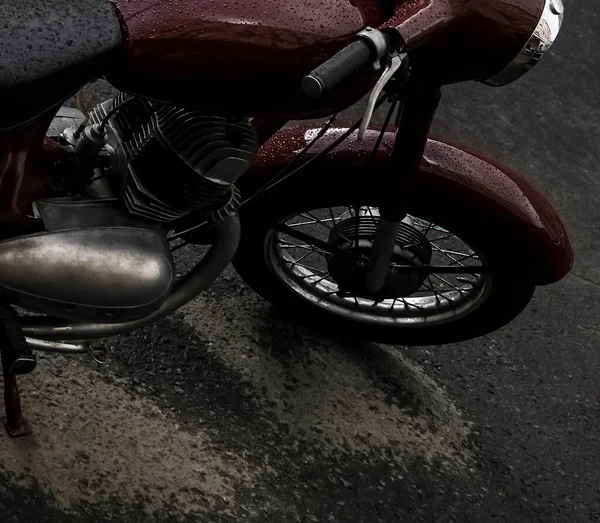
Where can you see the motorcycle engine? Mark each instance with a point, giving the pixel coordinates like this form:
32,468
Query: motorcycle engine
103,253
165,162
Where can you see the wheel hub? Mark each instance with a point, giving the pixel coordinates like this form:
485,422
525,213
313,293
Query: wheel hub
356,235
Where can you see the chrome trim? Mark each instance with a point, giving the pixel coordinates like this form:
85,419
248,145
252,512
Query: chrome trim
376,39
539,43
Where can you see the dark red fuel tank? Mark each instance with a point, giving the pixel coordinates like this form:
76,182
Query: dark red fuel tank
238,56
247,57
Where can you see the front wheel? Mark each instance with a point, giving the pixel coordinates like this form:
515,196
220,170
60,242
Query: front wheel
319,273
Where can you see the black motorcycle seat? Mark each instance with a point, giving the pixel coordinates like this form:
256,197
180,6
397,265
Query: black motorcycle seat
52,45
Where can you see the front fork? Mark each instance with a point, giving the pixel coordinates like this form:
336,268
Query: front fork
419,105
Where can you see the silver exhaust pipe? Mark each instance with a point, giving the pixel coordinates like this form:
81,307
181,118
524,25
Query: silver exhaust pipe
227,237
56,347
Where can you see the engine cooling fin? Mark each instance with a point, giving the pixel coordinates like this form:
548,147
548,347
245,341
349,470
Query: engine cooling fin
227,210
179,161
214,147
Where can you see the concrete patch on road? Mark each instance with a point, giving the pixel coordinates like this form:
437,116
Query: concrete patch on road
361,398
94,443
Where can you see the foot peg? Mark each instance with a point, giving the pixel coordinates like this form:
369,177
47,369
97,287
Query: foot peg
17,358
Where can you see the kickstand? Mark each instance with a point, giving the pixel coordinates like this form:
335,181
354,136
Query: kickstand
17,359
15,424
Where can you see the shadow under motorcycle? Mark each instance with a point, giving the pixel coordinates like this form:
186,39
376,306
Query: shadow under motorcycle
477,241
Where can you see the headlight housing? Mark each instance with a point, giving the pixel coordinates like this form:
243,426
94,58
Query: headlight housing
539,43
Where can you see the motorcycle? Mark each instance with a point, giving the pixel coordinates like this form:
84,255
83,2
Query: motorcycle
380,230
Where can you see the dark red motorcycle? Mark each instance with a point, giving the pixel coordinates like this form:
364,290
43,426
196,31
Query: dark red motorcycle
378,229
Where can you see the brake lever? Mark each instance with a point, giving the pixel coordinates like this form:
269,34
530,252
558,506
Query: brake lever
391,67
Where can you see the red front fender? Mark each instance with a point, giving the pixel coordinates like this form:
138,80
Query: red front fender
501,201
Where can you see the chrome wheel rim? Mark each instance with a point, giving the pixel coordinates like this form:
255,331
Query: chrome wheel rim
442,298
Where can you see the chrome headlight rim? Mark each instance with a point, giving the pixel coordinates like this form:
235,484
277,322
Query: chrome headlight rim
537,46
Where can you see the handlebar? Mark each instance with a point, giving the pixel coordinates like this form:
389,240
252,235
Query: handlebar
339,67
369,46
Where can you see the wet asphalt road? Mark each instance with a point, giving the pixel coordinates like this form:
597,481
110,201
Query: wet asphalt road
533,388
530,390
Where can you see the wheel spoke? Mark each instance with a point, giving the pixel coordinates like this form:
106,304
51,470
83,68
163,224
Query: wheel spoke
307,267
315,272
431,288
463,254
321,222
310,248
299,235
331,214
436,292
409,304
320,279
438,289
450,257
419,223
305,255
467,281
289,245
450,235
447,283
302,224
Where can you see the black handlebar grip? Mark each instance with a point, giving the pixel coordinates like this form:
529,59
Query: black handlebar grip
339,67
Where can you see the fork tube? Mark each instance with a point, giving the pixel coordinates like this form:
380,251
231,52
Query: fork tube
420,102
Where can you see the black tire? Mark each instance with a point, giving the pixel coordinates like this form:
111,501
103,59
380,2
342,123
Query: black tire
510,291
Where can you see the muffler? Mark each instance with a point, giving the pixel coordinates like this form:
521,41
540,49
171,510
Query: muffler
227,236
108,274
